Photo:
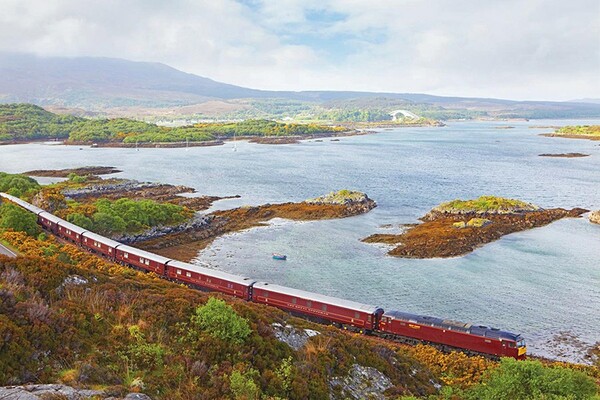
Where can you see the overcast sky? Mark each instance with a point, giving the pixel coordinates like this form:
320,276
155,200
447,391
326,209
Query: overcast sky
517,49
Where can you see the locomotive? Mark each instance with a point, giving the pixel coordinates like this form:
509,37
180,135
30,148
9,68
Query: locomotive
364,318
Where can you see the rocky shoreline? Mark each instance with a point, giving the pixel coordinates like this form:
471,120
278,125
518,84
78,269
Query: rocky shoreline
567,136
446,234
115,189
64,173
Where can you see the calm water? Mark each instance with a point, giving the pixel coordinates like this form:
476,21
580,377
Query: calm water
539,283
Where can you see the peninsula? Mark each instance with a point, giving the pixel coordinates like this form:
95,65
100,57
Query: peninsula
590,132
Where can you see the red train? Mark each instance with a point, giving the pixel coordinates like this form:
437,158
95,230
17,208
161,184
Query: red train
343,313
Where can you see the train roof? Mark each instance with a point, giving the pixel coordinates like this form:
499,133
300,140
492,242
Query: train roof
71,227
143,253
212,272
22,203
478,330
335,301
101,239
51,217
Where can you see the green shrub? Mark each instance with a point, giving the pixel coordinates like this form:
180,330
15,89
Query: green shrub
243,385
530,380
220,321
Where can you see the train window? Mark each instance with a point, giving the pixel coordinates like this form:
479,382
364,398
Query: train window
356,315
512,344
178,272
230,285
294,300
189,275
110,250
266,294
324,307
147,262
141,260
126,255
308,303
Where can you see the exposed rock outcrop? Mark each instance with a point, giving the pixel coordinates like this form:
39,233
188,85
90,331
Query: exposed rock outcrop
293,337
198,222
356,202
360,383
63,392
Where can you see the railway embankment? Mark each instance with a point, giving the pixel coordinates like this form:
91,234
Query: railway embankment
185,245
457,228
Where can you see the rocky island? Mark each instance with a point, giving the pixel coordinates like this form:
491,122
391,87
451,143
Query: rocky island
564,155
458,227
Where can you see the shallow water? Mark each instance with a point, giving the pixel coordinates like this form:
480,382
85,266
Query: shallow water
538,283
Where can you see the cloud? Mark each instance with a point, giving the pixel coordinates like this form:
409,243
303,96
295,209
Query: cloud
534,49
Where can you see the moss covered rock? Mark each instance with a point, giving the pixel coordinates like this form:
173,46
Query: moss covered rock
341,197
483,205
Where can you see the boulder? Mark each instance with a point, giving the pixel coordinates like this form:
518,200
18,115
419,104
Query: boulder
295,338
360,383
595,217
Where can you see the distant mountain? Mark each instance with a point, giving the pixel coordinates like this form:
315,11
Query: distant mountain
590,101
97,82
100,84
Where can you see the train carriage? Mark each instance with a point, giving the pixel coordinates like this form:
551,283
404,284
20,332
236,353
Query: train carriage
480,339
142,259
210,279
69,231
49,221
327,308
100,244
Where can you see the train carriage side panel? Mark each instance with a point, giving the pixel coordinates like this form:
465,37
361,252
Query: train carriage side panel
142,259
49,221
210,279
69,231
100,244
333,309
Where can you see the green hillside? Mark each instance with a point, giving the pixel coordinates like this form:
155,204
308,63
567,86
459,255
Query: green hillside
23,122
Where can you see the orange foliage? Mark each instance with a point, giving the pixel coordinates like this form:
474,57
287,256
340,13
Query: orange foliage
454,368
53,249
